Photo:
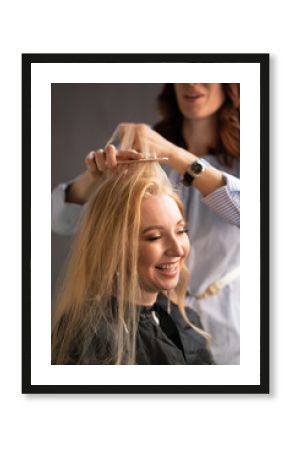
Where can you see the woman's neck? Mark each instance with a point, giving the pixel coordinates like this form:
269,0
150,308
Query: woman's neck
200,134
148,298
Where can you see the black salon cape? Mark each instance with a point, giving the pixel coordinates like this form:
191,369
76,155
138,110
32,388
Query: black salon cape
164,337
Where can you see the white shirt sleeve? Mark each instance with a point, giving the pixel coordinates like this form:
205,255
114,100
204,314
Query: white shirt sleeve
64,216
225,201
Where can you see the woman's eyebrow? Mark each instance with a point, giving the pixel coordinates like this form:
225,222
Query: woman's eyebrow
152,227
160,227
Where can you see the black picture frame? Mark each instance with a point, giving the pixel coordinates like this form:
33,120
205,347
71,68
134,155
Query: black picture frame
244,58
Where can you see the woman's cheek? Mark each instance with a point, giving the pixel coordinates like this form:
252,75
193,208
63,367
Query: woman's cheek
186,245
147,253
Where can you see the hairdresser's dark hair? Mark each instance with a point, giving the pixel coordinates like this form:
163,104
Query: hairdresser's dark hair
170,127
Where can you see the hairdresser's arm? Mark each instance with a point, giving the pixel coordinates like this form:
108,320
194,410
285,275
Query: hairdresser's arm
64,215
221,192
178,158
97,163
80,190
68,198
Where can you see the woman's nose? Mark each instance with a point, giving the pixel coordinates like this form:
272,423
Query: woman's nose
174,247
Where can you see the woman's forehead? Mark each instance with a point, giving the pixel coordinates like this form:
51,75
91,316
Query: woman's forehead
158,210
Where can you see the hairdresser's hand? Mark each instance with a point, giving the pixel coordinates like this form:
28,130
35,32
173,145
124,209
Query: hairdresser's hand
147,140
101,160
97,162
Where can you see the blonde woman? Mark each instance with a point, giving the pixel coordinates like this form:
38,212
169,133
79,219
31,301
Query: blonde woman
122,299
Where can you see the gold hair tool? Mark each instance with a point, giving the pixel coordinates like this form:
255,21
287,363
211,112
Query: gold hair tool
133,161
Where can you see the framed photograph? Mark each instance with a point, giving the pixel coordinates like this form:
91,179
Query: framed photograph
72,104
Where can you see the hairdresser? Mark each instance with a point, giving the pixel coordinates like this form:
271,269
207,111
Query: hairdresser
199,136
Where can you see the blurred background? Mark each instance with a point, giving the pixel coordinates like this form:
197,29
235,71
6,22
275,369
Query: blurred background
83,118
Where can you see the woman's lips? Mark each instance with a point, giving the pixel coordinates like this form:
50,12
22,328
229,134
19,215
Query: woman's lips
169,270
192,97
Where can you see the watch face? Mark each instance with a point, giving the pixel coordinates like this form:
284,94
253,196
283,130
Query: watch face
197,168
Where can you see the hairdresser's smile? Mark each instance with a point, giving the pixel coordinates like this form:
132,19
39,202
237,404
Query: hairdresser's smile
163,246
193,95
199,100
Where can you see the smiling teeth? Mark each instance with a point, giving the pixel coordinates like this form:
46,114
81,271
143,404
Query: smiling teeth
168,266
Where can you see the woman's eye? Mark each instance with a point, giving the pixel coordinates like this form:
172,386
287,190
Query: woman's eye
153,238
183,230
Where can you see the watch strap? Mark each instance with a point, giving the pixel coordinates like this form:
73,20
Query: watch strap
193,171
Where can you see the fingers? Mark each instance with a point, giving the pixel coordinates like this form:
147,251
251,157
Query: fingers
110,157
129,154
133,135
91,163
104,159
95,162
100,160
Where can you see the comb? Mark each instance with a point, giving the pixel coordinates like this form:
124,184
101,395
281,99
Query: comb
134,161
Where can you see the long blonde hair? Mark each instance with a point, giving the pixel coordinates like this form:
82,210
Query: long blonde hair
103,267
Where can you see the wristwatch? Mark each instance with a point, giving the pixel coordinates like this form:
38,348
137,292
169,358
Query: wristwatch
193,171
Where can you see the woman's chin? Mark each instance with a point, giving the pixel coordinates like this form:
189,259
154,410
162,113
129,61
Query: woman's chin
159,285
168,284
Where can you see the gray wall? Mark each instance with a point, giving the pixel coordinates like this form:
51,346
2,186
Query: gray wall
83,117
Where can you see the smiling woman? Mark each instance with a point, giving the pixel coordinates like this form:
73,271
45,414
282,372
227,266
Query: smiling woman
122,298
163,245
